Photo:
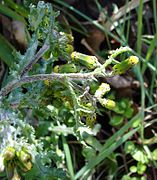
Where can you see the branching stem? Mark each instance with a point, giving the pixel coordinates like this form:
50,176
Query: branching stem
41,77
34,60
98,72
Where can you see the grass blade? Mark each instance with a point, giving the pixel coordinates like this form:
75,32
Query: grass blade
110,145
19,9
150,51
99,26
139,30
10,13
6,50
103,29
87,168
68,157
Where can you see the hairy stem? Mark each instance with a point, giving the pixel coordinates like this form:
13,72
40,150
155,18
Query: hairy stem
41,77
98,72
34,60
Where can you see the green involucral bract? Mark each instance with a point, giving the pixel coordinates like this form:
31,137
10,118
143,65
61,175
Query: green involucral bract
9,154
102,90
69,48
107,103
123,66
66,68
91,62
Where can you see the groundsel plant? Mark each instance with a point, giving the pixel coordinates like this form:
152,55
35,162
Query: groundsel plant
51,85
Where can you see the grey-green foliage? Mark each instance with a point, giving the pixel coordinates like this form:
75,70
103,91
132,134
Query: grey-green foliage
42,19
52,103
16,127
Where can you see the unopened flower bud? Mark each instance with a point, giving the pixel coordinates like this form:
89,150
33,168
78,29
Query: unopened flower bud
9,154
91,62
123,66
66,68
107,103
103,89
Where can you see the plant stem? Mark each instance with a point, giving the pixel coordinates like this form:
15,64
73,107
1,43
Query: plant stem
68,157
41,77
34,60
98,72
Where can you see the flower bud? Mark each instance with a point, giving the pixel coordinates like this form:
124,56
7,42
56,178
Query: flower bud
107,103
69,37
91,62
47,82
9,154
23,156
66,68
25,160
123,66
56,69
69,48
28,165
103,89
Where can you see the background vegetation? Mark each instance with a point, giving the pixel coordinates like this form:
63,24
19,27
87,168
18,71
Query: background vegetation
70,124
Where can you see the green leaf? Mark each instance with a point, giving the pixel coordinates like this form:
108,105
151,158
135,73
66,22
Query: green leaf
119,133
39,171
6,50
94,85
129,147
154,154
150,52
116,120
92,141
141,168
136,123
30,52
118,109
133,169
42,19
129,112
88,152
140,156
126,177
42,129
